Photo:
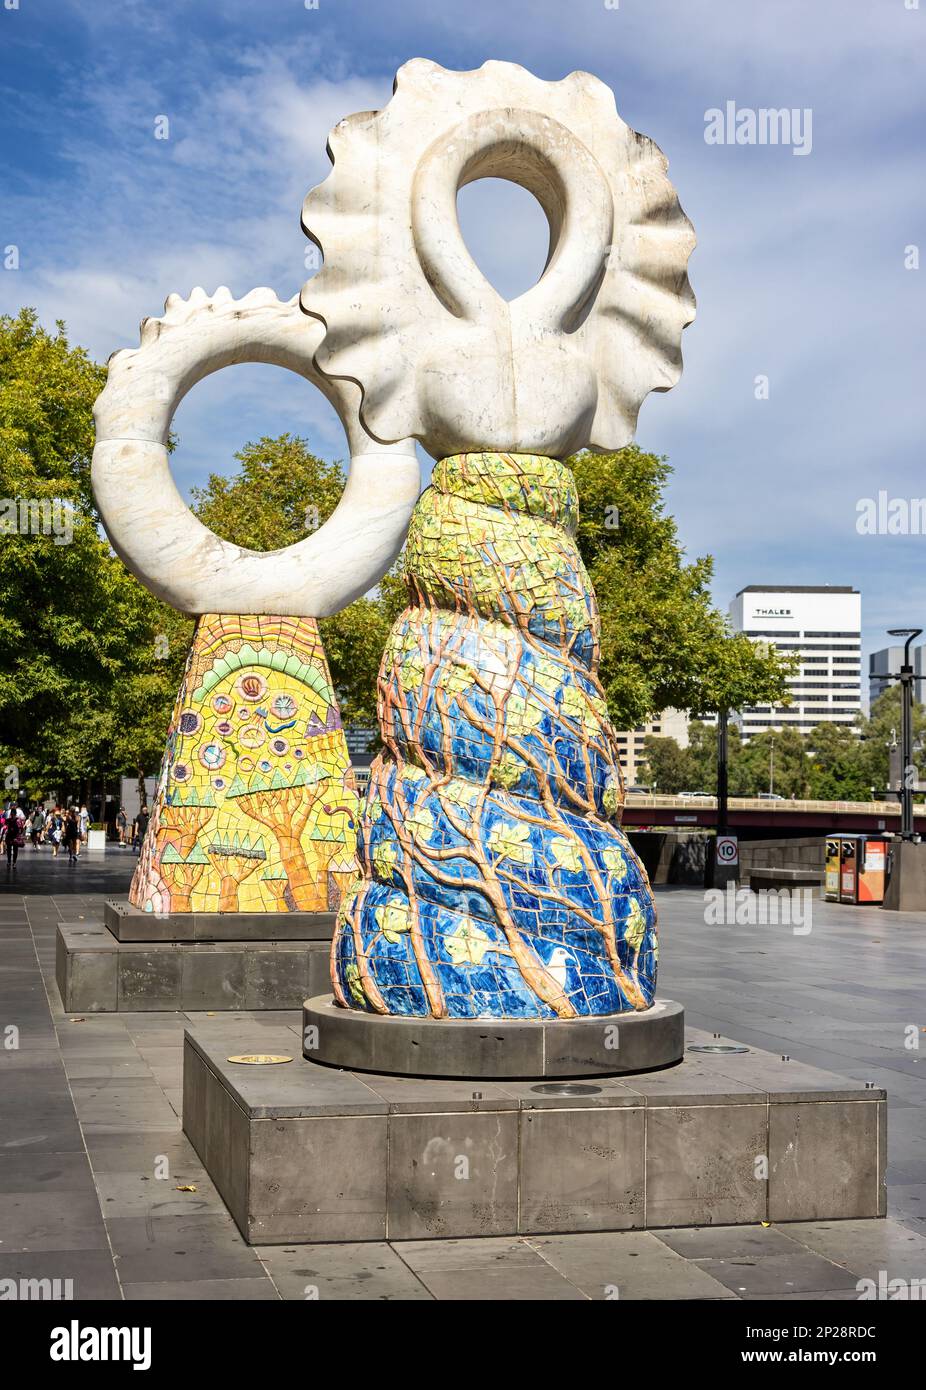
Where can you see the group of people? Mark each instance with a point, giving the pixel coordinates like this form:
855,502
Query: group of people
60,827
139,828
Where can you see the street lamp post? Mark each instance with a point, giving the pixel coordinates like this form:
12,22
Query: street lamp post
906,679
722,772
713,876
771,764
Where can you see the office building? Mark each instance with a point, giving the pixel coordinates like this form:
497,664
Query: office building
821,625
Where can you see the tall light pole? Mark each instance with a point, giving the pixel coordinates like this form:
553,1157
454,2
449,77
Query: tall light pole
906,679
713,877
771,764
723,776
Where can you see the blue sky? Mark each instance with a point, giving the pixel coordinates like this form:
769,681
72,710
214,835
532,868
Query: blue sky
799,270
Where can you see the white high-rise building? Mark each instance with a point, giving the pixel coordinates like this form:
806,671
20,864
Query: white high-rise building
822,624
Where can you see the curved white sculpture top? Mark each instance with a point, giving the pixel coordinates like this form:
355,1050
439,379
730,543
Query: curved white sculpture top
153,530
409,316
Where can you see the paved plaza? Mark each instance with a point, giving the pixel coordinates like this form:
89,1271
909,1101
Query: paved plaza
90,1110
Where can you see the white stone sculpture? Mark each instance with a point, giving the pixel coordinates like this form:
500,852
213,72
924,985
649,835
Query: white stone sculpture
151,527
408,314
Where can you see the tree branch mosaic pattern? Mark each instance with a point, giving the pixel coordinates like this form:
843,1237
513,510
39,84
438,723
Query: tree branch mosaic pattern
495,880
255,808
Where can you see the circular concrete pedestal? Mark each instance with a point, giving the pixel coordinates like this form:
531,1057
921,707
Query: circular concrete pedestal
607,1045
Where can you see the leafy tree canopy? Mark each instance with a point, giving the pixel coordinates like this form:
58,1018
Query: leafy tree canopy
663,643
833,762
76,630
281,493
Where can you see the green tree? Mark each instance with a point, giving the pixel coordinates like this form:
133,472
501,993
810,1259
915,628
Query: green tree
693,768
281,493
883,728
75,628
838,764
668,767
663,643
702,744
774,760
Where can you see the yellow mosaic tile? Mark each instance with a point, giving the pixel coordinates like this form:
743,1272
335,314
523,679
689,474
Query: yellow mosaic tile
255,809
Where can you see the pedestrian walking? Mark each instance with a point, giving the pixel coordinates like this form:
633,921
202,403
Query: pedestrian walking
70,835
37,825
141,828
53,827
15,834
122,821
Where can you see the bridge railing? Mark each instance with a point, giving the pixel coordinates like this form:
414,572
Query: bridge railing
884,809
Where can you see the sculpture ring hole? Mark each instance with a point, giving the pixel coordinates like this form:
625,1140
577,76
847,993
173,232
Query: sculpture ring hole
506,232
545,158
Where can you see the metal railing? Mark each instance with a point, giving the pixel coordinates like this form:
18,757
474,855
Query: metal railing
755,803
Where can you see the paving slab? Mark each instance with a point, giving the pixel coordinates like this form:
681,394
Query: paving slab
631,1265
865,1247
179,1249
779,1274
521,1283
353,1272
204,1291
58,1221
62,1274
729,1242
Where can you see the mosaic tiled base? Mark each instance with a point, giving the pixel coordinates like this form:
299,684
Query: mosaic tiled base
255,808
495,880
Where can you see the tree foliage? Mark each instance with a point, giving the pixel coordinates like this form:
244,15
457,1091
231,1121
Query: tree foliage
281,493
834,762
663,643
77,632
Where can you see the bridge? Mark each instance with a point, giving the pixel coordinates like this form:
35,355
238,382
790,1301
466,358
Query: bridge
767,818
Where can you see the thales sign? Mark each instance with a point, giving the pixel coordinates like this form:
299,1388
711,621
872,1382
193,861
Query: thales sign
771,613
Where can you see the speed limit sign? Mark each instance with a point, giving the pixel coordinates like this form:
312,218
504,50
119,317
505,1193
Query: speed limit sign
728,852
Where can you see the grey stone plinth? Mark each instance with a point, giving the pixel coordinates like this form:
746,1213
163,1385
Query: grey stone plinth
301,1152
128,923
85,969
608,1045
96,973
